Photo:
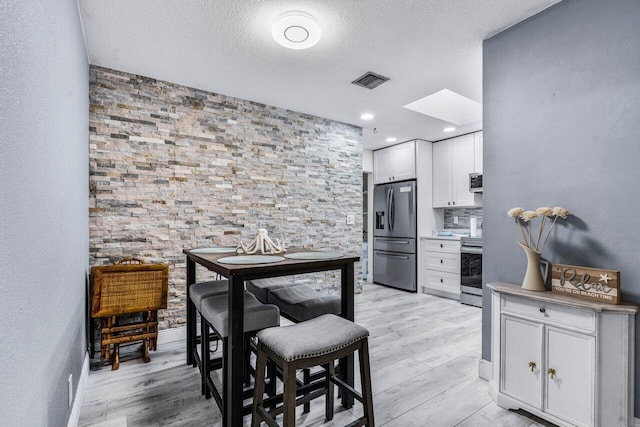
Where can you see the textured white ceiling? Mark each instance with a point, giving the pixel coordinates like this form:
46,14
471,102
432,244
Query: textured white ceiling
225,46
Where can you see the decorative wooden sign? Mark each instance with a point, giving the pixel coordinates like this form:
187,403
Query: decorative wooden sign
589,283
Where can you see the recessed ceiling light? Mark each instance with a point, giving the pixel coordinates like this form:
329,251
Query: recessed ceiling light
392,139
448,129
366,116
296,30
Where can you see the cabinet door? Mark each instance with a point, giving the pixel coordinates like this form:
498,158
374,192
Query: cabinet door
405,160
521,360
477,158
463,164
442,175
383,165
569,395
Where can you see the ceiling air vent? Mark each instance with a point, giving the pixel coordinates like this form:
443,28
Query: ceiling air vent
370,80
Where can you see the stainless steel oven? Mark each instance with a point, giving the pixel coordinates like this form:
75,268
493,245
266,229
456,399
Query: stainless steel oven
471,271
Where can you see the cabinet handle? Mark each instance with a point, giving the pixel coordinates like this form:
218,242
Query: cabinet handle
453,203
441,280
441,245
532,365
543,310
551,372
441,261
449,203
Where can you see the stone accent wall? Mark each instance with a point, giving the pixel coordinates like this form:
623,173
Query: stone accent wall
174,167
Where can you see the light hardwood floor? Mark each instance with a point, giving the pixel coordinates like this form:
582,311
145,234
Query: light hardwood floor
424,356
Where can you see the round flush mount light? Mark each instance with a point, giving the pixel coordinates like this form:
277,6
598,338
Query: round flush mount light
448,129
296,30
366,116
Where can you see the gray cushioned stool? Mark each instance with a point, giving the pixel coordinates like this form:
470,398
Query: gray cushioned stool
197,292
319,341
214,314
302,302
262,287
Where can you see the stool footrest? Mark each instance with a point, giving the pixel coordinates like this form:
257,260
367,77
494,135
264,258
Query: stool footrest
346,387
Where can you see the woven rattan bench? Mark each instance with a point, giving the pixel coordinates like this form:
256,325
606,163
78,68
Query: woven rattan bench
130,286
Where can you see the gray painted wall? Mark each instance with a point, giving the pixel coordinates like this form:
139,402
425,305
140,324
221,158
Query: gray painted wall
561,109
44,197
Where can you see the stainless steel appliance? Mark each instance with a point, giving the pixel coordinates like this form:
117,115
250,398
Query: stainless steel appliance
475,182
394,235
471,271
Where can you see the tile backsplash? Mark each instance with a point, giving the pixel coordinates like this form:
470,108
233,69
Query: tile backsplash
463,215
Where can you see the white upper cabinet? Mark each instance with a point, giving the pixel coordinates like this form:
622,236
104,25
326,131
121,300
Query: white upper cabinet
397,163
442,174
453,161
477,152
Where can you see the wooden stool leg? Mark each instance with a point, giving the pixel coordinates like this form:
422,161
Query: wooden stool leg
258,390
204,357
365,376
289,400
329,397
247,360
306,379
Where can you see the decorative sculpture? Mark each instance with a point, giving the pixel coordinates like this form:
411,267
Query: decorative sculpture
262,243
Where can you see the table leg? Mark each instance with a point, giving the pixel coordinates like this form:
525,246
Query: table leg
191,312
348,312
233,401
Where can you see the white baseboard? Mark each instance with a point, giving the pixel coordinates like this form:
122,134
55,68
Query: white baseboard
79,394
484,370
172,334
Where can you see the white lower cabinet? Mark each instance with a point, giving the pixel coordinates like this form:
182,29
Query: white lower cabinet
440,267
566,360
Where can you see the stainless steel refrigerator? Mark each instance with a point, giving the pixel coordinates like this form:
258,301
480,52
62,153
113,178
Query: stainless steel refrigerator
394,235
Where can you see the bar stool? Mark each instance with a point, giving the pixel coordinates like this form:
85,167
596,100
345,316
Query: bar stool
320,341
261,288
198,292
214,314
301,302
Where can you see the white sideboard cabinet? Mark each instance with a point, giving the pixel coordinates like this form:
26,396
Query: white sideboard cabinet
567,360
396,163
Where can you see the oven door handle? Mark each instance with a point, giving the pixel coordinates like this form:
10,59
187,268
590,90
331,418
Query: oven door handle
471,250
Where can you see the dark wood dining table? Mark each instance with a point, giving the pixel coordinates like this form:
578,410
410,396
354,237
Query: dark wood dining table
237,274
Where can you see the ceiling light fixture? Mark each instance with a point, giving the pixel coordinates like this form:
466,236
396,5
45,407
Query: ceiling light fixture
366,116
391,139
448,129
296,30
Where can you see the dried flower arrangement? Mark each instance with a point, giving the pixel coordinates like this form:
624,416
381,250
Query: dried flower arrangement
521,216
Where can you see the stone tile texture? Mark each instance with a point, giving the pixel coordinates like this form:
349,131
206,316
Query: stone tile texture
172,167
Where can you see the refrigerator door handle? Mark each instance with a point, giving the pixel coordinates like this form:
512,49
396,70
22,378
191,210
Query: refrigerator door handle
388,208
392,213
392,241
392,256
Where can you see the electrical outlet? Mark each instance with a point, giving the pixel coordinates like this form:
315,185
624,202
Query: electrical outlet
70,384
455,219
351,220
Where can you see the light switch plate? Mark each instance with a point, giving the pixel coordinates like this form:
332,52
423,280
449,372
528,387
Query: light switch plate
351,220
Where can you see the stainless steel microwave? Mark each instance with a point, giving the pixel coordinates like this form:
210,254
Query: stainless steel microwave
475,182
